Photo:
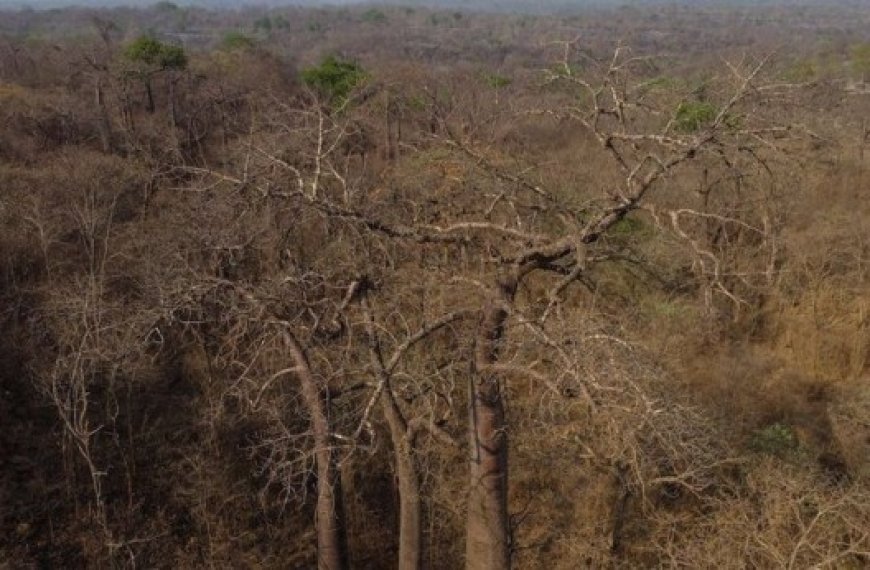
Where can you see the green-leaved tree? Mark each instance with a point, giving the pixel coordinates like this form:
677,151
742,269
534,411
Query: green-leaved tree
150,57
334,79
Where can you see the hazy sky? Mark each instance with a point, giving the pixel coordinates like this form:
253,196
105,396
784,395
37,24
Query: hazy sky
41,3
225,3
533,4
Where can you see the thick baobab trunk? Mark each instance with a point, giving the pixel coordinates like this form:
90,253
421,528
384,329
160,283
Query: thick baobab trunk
330,519
487,527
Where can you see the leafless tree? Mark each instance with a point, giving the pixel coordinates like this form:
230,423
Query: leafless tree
524,232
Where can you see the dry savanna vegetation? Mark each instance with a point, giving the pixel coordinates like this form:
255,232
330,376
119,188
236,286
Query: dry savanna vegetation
395,286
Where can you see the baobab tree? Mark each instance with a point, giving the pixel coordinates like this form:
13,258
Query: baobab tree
525,235
525,231
650,143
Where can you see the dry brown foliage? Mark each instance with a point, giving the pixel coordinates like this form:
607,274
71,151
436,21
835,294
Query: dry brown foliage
252,328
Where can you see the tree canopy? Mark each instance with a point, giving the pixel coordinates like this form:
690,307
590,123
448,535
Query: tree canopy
334,78
153,52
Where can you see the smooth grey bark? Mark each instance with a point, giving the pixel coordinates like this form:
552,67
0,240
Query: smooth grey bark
332,553
402,438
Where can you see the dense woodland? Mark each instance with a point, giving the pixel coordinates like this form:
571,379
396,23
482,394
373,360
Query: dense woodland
394,286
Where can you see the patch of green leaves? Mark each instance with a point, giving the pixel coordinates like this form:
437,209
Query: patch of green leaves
416,103
661,83
801,71
263,24
334,78
627,227
776,439
280,22
236,41
692,116
374,16
860,59
497,81
153,52
165,6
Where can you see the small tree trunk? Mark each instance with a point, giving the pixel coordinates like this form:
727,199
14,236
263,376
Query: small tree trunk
173,110
389,149
410,504
127,112
398,132
105,125
330,519
149,92
865,135
487,526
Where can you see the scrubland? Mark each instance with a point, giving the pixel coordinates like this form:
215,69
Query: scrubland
385,287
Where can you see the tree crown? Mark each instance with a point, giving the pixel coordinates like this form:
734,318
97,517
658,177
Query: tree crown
151,51
334,78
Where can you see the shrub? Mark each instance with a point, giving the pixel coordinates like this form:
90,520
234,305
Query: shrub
166,7
860,59
236,41
281,22
263,24
496,81
374,16
801,70
627,227
693,116
775,439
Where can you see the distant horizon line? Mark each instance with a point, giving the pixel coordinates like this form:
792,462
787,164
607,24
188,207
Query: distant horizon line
498,5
